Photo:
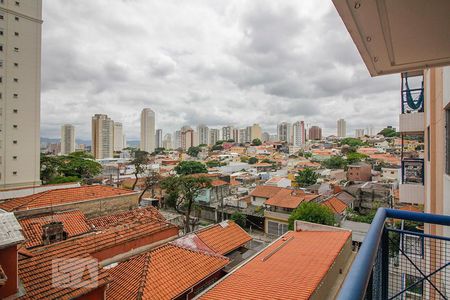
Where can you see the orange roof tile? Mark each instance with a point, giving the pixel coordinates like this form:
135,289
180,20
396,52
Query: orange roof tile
265,191
62,196
39,279
163,273
336,205
74,223
218,182
139,213
291,271
288,198
224,237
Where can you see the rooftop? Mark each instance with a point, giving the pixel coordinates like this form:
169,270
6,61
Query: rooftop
265,191
290,268
163,273
335,204
288,198
10,230
74,223
139,213
62,196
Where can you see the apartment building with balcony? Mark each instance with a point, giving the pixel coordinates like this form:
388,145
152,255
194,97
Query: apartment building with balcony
410,38
20,89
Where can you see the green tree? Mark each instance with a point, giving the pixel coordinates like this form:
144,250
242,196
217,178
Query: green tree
213,163
256,142
312,212
306,177
151,180
389,132
193,151
252,160
239,218
217,147
139,162
187,188
334,162
244,159
79,165
159,150
190,167
352,142
354,157
49,168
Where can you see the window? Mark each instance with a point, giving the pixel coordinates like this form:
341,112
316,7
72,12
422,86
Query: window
15,157
447,137
15,111
16,49
16,33
1,48
15,126
15,142
416,286
16,64
0,95
16,18
16,96
17,3
413,244
1,31
1,63
16,80
1,80
1,17
15,173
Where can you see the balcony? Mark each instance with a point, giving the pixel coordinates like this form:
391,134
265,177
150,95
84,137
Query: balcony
277,215
412,188
412,105
398,261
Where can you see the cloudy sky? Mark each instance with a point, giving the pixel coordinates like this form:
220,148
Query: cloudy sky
233,62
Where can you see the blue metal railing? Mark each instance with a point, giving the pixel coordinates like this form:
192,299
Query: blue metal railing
369,275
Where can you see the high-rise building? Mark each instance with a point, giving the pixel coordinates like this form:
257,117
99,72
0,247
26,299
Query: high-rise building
147,130
67,139
298,133
213,136
102,136
203,134
118,136
242,136
341,128
177,139
284,132
227,133
235,134
20,89
359,132
265,137
159,138
167,141
315,133
256,132
187,137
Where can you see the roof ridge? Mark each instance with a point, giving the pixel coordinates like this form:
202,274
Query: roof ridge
199,251
33,198
140,292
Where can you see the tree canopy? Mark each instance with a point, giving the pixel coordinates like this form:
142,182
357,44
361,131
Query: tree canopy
193,151
334,162
306,177
389,132
312,212
352,142
239,218
354,157
140,161
190,167
256,142
252,160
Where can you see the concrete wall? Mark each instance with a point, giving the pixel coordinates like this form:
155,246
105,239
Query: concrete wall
8,261
91,208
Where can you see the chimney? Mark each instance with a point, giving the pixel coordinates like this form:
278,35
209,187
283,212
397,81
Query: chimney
53,232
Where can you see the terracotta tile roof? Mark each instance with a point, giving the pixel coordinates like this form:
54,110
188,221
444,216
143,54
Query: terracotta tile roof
193,242
62,196
74,223
291,271
224,237
265,191
288,198
218,182
36,272
336,205
140,213
163,273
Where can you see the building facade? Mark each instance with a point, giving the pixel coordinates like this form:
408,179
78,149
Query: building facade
118,136
67,139
159,138
203,134
298,134
359,133
284,132
187,137
20,89
341,128
102,136
256,132
315,133
167,141
213,136
147,130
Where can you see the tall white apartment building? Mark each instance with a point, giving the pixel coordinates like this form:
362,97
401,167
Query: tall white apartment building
298,133
341,128
167,141
118,137
203,134
359,132
67,139
102,136
187,137
227,133
214,135
177,139
20,89
256,132
284,132
147,130
158,138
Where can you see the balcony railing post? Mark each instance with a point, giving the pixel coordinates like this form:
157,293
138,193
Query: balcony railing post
384,264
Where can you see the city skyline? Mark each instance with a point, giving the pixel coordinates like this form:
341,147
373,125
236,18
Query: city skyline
212,75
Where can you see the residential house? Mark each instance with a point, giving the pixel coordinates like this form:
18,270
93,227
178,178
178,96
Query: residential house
359,172
279,182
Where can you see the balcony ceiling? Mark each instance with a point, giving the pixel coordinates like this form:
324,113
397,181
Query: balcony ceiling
394,36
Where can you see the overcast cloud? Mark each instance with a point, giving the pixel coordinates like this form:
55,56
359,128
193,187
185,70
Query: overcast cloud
234,62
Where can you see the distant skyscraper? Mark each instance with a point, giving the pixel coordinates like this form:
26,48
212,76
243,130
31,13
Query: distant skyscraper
227,133
213,136
159,138
187,137
243,136
341,128
21,23
147,130
167,141
102,136
298,133
118,136
256,132
359,133
67,139
203,134
177,139
284,132
315,133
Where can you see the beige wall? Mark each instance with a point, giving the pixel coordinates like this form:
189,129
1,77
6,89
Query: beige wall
20,101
